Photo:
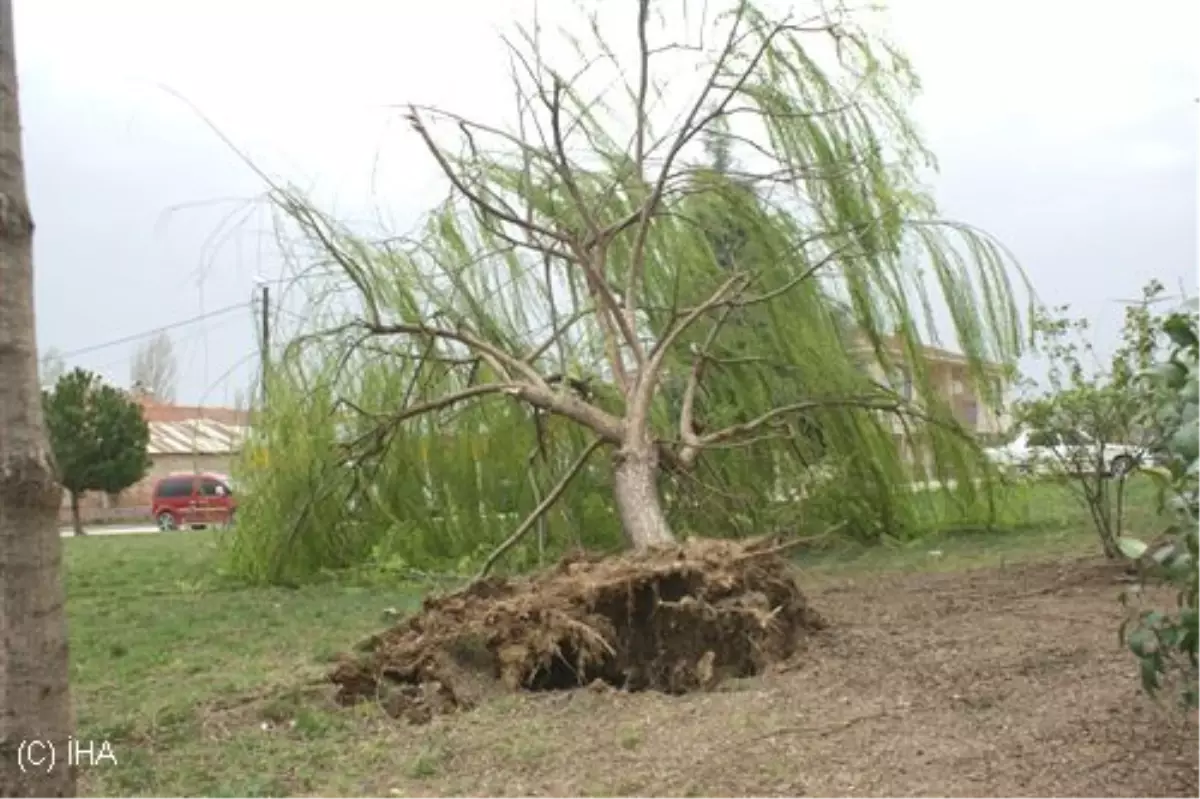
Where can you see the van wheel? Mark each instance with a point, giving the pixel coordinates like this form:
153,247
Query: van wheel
1121,466
166,522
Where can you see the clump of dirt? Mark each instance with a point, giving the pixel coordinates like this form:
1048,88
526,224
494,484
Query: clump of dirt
672,620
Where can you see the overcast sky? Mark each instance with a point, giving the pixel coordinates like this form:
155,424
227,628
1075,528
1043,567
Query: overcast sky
1067,128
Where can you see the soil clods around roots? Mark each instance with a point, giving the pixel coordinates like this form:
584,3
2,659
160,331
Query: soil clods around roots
672,620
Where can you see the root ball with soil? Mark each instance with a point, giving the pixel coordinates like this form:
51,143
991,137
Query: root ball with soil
672,619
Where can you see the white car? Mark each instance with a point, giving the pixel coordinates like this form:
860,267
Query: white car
1074,452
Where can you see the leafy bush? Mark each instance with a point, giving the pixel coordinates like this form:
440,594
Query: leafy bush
1165,641
1089,409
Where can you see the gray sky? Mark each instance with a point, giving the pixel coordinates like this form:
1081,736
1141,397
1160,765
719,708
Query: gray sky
1067,128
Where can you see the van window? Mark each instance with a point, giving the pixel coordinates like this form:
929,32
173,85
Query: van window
175,487
214,488
1043,438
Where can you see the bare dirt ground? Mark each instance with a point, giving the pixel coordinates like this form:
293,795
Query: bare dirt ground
992,682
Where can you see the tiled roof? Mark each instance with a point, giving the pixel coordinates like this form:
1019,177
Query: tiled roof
195,437
193,430
159,412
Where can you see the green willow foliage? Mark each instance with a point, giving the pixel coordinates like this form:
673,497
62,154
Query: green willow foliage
830,235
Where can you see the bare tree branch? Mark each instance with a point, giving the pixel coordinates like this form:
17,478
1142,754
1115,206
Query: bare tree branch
501,360
639,407
563,163
558,333
446,400
689,452
546,504
419,126
639,155
688,131
687,414
534,389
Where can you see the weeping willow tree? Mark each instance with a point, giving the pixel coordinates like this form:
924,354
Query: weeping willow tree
592,283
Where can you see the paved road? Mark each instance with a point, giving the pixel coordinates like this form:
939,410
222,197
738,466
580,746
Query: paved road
142,529
131,529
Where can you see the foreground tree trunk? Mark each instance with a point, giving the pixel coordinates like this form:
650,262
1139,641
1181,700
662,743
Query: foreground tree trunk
635,484
76,519
35,703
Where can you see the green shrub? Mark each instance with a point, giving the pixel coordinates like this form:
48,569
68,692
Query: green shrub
1165,641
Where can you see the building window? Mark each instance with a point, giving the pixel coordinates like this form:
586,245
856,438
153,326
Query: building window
971,412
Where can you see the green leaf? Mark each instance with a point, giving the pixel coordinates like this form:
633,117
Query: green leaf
1140,640
1131,548
1159,474
1179,330
1173,374
1190,392
1151,668
1186,441
1184,561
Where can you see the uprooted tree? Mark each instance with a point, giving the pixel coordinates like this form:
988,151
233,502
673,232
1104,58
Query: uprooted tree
590,273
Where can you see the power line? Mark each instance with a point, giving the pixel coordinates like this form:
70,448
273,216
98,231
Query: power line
185,322
180,344
241,306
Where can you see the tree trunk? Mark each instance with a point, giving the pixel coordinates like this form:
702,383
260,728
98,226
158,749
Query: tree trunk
76,520
638,502
35,703
1098,505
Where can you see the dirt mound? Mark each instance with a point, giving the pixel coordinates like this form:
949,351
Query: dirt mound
672,620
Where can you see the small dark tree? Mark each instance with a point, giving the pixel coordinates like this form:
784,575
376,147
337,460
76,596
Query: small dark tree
98,436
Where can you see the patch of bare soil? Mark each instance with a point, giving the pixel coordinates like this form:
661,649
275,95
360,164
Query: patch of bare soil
995,682
673,620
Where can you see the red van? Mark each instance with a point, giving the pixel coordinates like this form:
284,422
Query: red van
192,500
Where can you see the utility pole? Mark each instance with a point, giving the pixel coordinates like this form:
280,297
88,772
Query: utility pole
265,308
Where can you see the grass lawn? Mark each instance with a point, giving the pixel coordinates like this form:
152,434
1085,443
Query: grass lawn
159,642
202,686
